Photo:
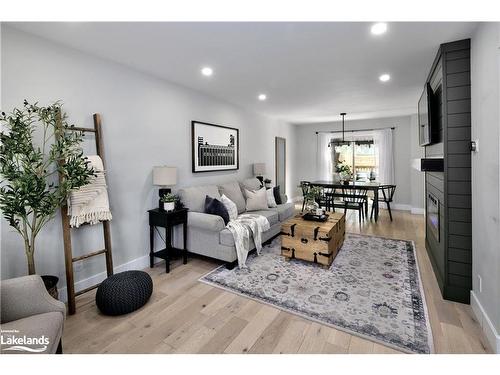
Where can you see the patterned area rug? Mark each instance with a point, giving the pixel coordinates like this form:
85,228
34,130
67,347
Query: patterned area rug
373,290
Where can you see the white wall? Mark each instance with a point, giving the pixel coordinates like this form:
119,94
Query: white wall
404,149
146,122
485,84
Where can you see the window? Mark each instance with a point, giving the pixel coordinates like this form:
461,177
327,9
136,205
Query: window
359,154
369,155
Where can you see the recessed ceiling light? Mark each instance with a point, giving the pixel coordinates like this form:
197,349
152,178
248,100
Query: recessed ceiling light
384,77
262,97
379,28
207,71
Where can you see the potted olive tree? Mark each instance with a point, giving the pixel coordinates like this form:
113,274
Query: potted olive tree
35,149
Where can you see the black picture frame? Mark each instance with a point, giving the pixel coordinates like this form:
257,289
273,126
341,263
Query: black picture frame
425,115
214,163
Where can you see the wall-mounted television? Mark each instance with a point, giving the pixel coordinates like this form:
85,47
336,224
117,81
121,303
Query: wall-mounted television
425,116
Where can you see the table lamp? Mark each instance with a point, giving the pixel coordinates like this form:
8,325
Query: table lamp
164,176
259,169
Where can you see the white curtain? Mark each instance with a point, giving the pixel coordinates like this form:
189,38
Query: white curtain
383,141
324,157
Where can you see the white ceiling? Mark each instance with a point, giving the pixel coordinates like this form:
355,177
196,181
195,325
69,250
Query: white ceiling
309,71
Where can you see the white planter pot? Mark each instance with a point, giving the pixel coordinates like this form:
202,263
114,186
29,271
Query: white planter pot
168,206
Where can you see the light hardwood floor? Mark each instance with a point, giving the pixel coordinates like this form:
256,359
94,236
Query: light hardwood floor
186,316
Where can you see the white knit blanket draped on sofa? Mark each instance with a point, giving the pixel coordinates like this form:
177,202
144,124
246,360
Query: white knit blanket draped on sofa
241,228
90,203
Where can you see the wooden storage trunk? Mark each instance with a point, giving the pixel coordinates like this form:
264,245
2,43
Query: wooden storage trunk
317,242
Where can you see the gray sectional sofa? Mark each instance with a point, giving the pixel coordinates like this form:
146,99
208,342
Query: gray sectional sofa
207,234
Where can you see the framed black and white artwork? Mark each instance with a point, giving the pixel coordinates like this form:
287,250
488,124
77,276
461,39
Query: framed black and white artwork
215,147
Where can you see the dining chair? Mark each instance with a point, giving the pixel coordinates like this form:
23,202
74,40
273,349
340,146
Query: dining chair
387,196
322,199
355,199
334,199
305,186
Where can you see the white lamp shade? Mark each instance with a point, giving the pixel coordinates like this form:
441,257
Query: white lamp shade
164,176
259,169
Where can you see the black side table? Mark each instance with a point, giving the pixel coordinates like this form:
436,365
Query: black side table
167,220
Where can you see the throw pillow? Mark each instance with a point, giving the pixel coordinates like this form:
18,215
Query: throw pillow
231,208
277,195
271,202
251,184
256,200
233,191
216,207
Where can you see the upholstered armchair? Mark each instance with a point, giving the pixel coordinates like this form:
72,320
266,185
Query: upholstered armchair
32,321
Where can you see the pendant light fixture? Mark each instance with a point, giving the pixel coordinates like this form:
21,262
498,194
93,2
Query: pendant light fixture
343,142
343,126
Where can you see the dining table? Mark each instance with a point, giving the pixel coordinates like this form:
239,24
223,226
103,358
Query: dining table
368,185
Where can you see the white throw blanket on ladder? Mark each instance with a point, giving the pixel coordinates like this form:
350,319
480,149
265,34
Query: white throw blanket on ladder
241,228
89,203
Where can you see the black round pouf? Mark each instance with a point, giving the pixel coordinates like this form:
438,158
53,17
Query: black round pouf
124,292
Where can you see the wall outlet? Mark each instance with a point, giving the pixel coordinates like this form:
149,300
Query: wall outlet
480,282
474,145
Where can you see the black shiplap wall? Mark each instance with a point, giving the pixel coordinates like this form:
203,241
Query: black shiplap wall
451,256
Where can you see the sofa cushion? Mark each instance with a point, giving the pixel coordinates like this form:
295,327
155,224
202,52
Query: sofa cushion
48,324
194,197
232,190
271,215
226,237
213,206
256,200
251,184
285,211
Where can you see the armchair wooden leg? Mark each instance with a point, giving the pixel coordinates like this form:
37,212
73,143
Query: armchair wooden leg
371,213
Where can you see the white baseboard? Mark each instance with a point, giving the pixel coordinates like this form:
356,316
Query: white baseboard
417,211
397,206
407,207
135,264
485,322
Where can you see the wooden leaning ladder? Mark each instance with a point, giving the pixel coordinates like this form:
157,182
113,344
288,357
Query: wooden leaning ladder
68,253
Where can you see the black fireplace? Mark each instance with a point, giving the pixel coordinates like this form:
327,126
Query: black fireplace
433,215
